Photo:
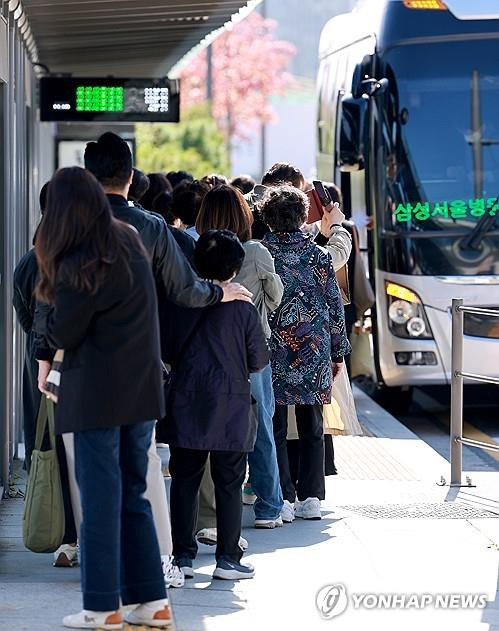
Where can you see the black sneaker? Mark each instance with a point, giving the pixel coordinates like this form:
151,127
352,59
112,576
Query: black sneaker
232,570
185,564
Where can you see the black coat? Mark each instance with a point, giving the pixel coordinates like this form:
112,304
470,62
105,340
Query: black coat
186,243
174,277
176,282
111,374
25,278
209,403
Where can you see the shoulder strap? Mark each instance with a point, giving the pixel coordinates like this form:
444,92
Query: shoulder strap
45,415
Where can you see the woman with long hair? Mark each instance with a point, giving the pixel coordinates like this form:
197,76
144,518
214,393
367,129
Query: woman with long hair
96,278
224,208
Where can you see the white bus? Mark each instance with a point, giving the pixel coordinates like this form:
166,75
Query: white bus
408,125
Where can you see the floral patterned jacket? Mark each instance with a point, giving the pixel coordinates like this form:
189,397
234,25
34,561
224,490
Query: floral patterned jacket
308,328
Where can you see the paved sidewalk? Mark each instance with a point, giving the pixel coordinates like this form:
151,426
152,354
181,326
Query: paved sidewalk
387,528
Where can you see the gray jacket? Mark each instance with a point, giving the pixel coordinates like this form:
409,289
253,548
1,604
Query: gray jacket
339,247
258,275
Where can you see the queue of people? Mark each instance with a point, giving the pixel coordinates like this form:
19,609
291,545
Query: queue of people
192,312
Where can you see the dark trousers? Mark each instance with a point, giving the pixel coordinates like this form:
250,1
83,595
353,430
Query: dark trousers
310,478
31,398
119,548
294,457
228,469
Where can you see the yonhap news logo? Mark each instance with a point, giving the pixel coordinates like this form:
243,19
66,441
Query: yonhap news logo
333,600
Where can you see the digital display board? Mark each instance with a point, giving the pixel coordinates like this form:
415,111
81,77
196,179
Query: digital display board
109,99
453,209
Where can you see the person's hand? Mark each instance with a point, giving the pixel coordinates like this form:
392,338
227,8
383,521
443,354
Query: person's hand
43,372
333,215
235,291
337,368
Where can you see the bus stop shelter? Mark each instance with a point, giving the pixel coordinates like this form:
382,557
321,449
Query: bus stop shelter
97,38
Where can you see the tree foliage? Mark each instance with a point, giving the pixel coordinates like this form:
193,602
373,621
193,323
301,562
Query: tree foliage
248,66
195,144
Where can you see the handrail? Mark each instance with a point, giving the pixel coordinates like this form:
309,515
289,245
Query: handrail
478,443
480,310
457,440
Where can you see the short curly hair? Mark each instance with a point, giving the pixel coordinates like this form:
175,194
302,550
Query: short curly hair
284,208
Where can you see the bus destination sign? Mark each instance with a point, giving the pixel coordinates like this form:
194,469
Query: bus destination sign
454,209
109,99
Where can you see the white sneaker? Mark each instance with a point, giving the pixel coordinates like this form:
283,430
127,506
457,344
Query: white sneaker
66,556
94,620
156,614
308,509
208,536
249,497
288,512
174,577
268,523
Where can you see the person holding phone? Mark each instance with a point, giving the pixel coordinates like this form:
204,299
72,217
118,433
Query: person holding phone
330,232
324,218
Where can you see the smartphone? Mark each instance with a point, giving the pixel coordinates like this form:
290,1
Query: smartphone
322,192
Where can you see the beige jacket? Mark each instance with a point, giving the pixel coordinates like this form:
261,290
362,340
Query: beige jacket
258,275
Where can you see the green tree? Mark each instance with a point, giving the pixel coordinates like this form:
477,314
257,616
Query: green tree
195,144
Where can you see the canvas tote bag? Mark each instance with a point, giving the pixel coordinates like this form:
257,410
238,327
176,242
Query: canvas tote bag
43,519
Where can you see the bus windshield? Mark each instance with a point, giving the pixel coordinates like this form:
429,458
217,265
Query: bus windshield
441,131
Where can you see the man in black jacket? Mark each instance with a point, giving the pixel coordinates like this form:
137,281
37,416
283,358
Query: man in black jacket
110,160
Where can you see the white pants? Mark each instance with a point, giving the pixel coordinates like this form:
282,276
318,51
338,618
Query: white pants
155,493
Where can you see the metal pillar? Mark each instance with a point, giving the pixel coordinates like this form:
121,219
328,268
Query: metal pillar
456,406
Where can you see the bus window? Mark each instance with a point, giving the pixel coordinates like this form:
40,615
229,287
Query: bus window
449,137
328,103
440,132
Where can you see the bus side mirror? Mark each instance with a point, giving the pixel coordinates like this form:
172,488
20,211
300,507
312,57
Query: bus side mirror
352,133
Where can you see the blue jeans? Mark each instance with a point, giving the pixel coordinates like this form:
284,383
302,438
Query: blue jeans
119,548
263,468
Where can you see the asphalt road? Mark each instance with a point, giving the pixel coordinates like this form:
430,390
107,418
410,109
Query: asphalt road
428,416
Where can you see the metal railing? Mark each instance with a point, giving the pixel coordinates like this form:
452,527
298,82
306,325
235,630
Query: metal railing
457,440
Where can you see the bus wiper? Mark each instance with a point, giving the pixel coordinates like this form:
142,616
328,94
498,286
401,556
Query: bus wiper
473,239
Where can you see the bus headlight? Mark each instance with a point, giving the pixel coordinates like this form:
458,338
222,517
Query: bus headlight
406,315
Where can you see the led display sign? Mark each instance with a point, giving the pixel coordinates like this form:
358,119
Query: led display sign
455,209
109,99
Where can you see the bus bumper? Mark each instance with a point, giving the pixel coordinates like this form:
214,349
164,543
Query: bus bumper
436,293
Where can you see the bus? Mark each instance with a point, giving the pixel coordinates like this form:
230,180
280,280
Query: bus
408,126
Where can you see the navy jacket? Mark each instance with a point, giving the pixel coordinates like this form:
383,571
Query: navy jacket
209,403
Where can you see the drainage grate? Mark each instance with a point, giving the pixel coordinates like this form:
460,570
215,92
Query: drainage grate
446,510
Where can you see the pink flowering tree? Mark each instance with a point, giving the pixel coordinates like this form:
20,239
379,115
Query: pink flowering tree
248,66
